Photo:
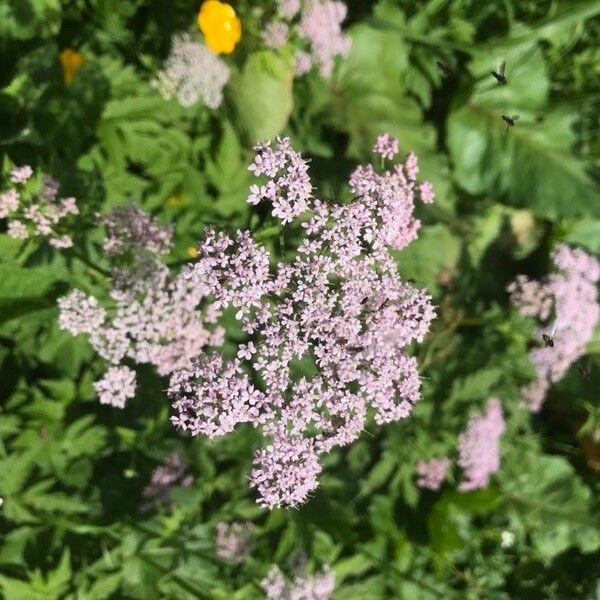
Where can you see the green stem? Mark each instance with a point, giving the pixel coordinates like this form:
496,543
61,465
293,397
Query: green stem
86,261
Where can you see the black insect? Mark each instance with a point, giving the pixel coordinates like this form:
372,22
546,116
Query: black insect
444,68
510,121
411,280
499,74
548,340
586,370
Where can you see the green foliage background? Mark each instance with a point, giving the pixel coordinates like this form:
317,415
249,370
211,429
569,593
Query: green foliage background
72,471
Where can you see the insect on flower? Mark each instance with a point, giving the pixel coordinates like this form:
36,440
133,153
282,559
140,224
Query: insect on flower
499,74
510,121
548,340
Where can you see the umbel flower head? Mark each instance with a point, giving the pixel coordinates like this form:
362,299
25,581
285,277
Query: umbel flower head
566,304
191,73
155,316
479,446
70,61
220,26
36,211
234,540
339,304
318,587
317,26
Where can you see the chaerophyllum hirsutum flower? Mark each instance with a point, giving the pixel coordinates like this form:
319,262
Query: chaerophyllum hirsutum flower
33,209
316,28
566,305
338,304
152,316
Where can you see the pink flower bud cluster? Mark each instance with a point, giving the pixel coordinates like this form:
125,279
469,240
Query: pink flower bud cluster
566,304
318,587
339,306
169,475
432,473
154,317
32,213
191,73
318,25
130,228
234,540
275,34
479,446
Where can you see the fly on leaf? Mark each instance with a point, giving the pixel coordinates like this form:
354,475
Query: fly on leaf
444,68
499,74
510,121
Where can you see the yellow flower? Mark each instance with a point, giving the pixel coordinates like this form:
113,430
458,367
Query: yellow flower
174,201
221,28
192,251
70,61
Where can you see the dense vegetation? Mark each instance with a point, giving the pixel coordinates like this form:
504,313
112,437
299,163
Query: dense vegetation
88,513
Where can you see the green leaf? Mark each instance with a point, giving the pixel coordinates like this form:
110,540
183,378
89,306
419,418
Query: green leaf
474,386
550,501
435,250
262,94
532,164
586,234
378,475
21,282
229,174
368,97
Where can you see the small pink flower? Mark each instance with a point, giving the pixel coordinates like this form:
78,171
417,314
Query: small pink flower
21,174
386,146
427,193
245,351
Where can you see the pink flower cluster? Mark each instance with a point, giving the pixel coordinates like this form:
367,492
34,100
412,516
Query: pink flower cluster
338,305
276,34
36,213
479,446
116,386
130,228
288,188
319,587
432,473
170,474
318,26
566,304
234,540
155,318
386,146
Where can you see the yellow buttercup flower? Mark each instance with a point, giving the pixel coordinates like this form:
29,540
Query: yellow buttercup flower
70,61
192,252
175,201
220,25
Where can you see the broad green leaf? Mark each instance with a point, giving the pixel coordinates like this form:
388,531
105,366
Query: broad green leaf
586,234
549,501
368,97
531,165
435,250
262,94
27,282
